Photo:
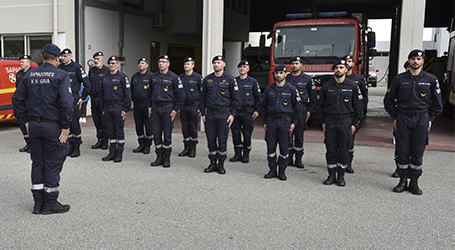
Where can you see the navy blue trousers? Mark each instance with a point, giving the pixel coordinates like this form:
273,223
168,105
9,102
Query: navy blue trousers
217,131
243,124
115,127
278,132
142,120
98,118
296,142
162,126
48,156
337,136
190,122
75,136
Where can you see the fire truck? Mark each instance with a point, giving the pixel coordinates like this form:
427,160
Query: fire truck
320,39
8,70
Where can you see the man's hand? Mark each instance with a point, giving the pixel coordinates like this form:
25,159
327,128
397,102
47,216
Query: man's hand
429,126
352,129
292,127
255,115
123,114
79,103
150,111
26,127
308,114
230,120
203,119
173,114
323,128
265,126
395,125
64,135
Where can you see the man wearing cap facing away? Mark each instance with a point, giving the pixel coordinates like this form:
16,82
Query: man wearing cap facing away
116,98
189,113
280,112
140,93
77,76
48,120
25,62
219,103
307,91
339,103
167,90
360,81
413,100
96,74
250,102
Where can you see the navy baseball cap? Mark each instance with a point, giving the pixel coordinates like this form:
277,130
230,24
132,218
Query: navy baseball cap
52,49
295,58
99,53
280,67
113,58
25,57
346,57
66,51
416,52
218,58
243,62
164,56
406,65
341,61
188,59
143,59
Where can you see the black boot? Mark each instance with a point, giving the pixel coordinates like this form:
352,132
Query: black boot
395,174
298,162
105,144
109,157
237,156
414,187
290,159
331,178
37,208
139,149
220,167
246,156
26,148
57,207
76,151
70,150
212,167
118,157
349,168
340,178
159,160
271,174
192,153
402,185
186,150
98,144
146,150
167,160
281,174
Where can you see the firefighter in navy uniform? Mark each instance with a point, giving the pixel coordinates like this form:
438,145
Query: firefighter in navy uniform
280,112
219,103
96,74
48,119
77,76
25,62
140,93
116,98
413,100
360,81
189,113
167,89
339,103
307,91
250,102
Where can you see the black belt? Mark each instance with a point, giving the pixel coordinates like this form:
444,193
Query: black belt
304,105
40,119
246,108
114,102
192,102
280,115
217,108
139,101
340,117
75,92
162,103
414,112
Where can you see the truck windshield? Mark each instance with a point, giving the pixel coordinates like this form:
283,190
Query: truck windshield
315,44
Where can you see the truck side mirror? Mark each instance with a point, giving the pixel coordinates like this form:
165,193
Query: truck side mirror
262,42
371,36
358,62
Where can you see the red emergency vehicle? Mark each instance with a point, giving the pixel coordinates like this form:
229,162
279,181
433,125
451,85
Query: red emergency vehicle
8,71
320,39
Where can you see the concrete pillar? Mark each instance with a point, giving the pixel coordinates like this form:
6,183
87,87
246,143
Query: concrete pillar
212,33
233,55
412,21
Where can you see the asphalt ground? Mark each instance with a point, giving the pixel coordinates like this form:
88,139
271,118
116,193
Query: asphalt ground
131,205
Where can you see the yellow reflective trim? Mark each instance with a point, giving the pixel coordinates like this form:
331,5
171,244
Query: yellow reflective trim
5,91
1,116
